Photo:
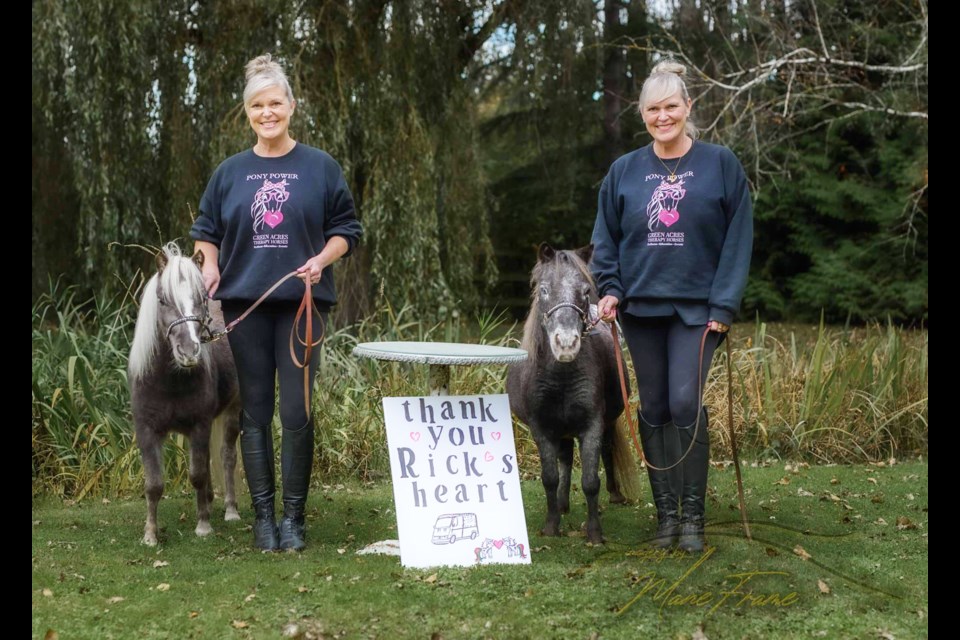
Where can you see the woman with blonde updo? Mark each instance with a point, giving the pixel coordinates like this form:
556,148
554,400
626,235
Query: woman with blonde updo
277,207
672,243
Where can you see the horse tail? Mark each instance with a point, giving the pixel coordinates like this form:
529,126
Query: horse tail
624,466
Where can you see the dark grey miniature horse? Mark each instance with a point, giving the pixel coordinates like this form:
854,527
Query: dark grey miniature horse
569,388
178,383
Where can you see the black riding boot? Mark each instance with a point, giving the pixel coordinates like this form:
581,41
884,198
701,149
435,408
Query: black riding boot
695,467
256,449
296,463
664,497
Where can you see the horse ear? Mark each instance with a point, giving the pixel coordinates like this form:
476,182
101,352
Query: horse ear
198,259
161,261
585,253
546,253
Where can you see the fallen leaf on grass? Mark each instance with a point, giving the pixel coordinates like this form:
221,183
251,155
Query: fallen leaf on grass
699,634
784,480
431,578
160,563
47,593
51,635
115,599
800,551
194,614
823,587
773,553
903,522
250,597
163,586
873,480
239,624
880,521
303,589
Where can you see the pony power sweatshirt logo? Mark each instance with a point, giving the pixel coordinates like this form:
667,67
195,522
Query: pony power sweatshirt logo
267,209
663,211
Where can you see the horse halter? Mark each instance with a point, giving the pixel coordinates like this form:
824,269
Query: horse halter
588,324
204,322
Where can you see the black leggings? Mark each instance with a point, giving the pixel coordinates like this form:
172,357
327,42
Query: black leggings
261,350
664,352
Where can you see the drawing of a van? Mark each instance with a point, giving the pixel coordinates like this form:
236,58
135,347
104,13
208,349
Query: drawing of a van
451,527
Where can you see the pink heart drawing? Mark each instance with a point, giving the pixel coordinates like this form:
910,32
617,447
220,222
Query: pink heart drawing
498,543
495,435
273,218
488,456
415,436
669,216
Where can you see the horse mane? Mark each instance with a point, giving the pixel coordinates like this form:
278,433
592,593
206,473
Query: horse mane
178,273
532,336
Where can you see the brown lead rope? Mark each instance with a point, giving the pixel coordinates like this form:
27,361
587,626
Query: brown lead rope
306,308
733,441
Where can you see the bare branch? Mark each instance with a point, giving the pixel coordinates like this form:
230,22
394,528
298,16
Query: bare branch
887,110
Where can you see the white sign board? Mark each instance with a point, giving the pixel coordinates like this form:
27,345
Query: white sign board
455,481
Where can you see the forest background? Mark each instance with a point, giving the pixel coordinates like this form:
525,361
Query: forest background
472,130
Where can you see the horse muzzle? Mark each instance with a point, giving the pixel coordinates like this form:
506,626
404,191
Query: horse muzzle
185,360
565,345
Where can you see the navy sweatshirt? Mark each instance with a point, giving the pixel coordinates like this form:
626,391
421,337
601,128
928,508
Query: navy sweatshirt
268,216
683,246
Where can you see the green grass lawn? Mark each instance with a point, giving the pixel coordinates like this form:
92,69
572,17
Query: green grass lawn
838,552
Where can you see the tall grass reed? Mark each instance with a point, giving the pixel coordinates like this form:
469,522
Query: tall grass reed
823,394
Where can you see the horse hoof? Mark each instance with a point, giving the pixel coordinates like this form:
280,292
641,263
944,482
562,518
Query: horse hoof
550,530
231,514
203,529
149,540
595,537
617,498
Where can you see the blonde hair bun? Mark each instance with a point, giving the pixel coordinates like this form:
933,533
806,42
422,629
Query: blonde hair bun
261,64
669,66
263,72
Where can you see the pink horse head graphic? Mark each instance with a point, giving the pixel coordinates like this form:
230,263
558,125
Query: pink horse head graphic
267,203
663,204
